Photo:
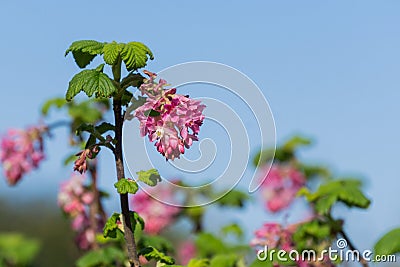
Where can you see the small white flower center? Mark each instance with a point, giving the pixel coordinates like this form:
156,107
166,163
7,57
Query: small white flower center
160,132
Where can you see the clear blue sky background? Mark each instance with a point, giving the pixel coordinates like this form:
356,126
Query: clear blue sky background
329,69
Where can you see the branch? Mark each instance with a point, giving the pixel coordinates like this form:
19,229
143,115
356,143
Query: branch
128,231
363,262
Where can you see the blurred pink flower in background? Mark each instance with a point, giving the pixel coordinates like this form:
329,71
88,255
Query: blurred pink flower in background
74,199
156,214
281,185
275,236
186,252
170,119
73,196
268,234
21,151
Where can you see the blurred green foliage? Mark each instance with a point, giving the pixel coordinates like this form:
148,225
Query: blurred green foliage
42,223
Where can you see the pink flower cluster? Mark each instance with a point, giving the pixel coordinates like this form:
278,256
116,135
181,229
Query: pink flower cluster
80,164
21,151
171,120
157,215
281,185
186,252
73,199
274,235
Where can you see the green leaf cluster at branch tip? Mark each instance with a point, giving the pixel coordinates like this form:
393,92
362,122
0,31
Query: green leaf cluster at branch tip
134,54
93,81
126,186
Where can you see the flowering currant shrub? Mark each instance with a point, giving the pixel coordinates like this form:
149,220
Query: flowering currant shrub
21,152
146,232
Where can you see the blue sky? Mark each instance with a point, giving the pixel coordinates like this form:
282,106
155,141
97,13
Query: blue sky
329,70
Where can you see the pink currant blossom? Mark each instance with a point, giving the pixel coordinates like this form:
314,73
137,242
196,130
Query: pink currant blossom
170,120
80,164
86,238
268,235
156,214
73,196
21,151
186,252
275,236
74,199
281,186
143,260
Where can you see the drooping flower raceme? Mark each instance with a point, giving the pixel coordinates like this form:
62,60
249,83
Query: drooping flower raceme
171,120
156,214
281,185
274,235
73,196
74,199
21,151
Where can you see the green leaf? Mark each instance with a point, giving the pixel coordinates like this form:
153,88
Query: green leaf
159,242
108,256
150,177
263,156
126,186
57,102
91,82
112,52
234,198
84,127
85,111
151,253
346,191
69,159
198,263
126,98
208,245
137,102
389,244
85,51
224,260
232,229
295,142
258,263
105,127
17,249
111,226
133,79
91,141
311,234
312,171
151,113
135,55
136,219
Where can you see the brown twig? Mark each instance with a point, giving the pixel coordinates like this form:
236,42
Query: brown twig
363,262
128,232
